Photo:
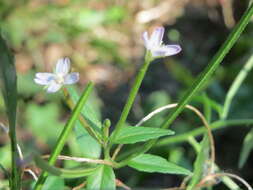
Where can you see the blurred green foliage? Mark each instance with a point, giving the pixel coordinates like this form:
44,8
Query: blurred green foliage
47,130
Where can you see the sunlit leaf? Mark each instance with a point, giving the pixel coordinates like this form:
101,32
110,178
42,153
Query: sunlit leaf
89,147
151,163
103,178
130,135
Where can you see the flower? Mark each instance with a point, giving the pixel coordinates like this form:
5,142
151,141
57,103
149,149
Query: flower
61,76
155,45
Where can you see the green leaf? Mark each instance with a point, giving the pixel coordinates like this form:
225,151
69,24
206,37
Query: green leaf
53,182
89,147
246,148
84,140
8,82
103,179
130,135
199,164
151,163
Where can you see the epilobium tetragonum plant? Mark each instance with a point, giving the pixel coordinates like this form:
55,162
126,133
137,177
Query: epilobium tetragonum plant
98,170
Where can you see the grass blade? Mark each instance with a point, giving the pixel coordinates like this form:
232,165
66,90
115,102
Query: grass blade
9,90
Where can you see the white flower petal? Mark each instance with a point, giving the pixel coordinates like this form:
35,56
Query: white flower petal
53,87
40,81
167,50
44,78
157,36
145,39
71,78
62,66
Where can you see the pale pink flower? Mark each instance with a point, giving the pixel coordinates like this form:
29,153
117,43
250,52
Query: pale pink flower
61,76
155,44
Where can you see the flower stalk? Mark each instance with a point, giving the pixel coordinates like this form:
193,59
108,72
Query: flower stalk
132,94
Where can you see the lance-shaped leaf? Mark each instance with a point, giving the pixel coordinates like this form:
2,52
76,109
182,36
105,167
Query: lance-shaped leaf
64,173
103,178
151,163
8,82
89,147
130,135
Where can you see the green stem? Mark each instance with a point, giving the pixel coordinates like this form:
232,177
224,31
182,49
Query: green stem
132,94
202,78
64,134
235,86
194,133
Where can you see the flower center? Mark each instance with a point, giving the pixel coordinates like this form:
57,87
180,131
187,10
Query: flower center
59,79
